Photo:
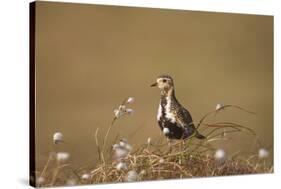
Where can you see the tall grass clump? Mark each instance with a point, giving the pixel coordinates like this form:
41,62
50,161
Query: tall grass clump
122,161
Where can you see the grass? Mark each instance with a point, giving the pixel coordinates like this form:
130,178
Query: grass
156,166
156,160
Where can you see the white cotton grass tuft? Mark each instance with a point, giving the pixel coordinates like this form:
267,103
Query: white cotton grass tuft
62,156
40,180
123,140
85,176
219,106
263,153
166,131
149,141
132,176
130,100
120,153
119,112
129,111
123,110
122,143
161,160
220,155
58,138
122,149
121,166
115,146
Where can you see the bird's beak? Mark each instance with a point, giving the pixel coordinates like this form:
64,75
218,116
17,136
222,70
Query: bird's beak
153,85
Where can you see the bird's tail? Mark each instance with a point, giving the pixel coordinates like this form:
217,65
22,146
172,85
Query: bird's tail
199,136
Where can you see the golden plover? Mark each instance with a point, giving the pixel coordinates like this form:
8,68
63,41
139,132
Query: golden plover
174,120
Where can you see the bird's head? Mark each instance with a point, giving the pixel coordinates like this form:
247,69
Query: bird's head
164,83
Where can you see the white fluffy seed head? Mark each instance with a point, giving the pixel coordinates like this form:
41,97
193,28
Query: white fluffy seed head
62,156
122,110
115,146
121,153
121,166
149,141
219,106
57,138
161,160
129,111
118,113
131,100
122,143
166,131
132,176
85,176
263,153
220,155
122,149
40,180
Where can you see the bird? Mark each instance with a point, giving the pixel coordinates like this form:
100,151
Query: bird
173,119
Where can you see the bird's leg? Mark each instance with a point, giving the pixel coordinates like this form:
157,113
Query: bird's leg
182,145
169,145
181,148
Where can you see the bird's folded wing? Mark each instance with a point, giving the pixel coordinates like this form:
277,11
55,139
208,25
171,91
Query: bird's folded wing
184,118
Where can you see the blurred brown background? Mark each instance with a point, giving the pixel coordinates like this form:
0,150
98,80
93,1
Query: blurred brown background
89,58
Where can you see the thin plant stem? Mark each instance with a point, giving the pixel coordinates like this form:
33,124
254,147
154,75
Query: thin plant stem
106,138
97,144
46,166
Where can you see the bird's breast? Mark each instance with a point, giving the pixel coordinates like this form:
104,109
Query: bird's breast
169,114
165,111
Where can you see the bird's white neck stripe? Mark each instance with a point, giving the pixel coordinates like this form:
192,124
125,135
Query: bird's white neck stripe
169,115
159,113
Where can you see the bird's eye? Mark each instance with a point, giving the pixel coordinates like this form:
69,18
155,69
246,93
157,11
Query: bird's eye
164,80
